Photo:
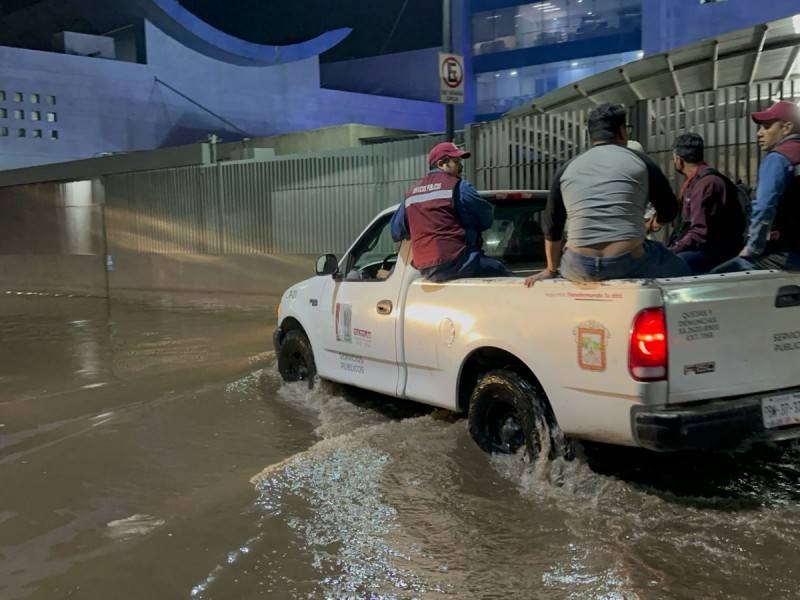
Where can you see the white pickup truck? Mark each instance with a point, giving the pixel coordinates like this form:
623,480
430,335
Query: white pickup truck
710,362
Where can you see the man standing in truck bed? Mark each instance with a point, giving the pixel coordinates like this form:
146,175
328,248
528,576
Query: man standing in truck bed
444,216
602,194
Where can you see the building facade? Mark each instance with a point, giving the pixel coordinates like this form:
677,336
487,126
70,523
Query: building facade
140,90
57,107
521,51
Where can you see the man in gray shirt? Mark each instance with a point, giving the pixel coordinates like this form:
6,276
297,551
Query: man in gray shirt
602,194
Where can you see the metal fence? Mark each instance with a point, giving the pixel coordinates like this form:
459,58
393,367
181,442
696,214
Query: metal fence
288,205
308,204
303,204
524,152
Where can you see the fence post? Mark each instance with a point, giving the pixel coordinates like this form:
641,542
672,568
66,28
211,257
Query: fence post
470,143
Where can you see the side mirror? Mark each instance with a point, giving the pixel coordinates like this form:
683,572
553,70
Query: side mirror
327,264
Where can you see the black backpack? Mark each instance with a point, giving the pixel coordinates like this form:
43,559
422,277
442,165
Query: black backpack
741,190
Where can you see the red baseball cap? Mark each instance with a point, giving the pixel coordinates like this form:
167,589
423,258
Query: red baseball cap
444,150
780,111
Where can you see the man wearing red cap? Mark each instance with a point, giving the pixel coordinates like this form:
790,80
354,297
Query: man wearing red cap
773,239
443,215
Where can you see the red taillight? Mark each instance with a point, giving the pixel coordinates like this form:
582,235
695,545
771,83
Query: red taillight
647,355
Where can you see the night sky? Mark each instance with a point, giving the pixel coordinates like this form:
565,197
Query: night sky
380,27
418,22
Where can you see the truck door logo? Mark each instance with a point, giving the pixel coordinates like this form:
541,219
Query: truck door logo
591,338
344,323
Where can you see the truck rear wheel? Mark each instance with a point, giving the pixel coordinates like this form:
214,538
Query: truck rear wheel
507,413
296,359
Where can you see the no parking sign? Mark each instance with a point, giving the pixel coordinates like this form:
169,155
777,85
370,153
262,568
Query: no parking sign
451,78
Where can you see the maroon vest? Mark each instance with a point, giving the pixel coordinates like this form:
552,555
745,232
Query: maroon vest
437,235
786,226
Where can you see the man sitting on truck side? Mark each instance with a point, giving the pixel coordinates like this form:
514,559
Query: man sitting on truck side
444,216
602,194
773,238
712,219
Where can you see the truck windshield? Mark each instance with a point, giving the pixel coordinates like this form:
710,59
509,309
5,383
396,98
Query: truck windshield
516,235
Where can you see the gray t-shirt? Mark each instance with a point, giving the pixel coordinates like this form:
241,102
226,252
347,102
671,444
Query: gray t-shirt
602,194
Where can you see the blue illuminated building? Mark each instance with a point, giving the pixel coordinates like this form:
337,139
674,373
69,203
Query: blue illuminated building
519,52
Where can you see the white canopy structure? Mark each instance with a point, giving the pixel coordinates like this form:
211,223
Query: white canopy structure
767,52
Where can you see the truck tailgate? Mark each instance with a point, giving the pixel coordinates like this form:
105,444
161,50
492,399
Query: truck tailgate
732,334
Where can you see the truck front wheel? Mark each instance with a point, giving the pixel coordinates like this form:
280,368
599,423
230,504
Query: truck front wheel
296,359
507,413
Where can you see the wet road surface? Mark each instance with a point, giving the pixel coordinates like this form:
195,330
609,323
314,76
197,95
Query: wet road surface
154,453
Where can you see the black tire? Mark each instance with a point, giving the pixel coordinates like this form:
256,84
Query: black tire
296,359
507,413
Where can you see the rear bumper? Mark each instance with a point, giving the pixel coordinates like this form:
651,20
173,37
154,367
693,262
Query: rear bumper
721,425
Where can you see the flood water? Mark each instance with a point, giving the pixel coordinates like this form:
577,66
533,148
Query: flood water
153,453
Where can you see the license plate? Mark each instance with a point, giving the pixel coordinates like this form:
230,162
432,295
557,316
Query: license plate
778,411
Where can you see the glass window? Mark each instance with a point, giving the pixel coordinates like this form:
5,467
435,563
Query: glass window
494,31
375,251
51,117
2,96
51,99
37,133
3,113
34,98
4,131
503,90
21,132
516,236
19,114
36,115
54,135
549,22
17,96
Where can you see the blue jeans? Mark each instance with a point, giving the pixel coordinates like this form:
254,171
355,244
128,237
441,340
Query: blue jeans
655,261
701,262
472,263
782,261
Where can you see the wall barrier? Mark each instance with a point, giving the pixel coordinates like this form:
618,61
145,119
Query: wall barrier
254,227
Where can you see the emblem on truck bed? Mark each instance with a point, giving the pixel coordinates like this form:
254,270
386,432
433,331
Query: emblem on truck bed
700,368
591,338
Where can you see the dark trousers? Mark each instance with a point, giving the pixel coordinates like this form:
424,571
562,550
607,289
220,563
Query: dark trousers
471,263
701,262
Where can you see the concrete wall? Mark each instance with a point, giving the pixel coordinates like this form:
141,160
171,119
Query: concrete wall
53,274
113,106
668,24
82,44
329,138
242,280
412,75
236,232
251,280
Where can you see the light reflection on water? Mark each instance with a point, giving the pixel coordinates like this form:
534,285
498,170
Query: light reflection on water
409,508
130,435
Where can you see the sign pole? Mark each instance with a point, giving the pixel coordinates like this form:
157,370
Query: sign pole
447,47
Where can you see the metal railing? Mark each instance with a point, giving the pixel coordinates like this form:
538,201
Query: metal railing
314,203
